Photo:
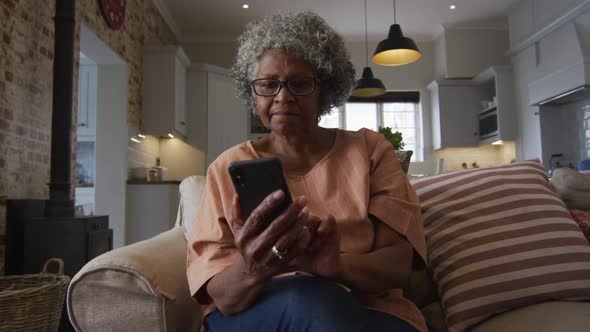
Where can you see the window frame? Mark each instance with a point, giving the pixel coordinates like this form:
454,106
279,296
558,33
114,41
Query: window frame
412,97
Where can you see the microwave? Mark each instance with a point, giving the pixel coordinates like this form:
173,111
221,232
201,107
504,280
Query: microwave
488,123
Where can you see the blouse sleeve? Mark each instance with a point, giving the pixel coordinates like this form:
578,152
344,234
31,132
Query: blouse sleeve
392,199
211,246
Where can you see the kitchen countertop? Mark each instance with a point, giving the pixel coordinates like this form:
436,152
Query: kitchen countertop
153,182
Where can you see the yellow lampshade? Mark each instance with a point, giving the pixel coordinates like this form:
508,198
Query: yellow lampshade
396,57
396,50
368,86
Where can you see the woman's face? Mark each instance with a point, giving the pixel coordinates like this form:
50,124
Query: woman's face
285,113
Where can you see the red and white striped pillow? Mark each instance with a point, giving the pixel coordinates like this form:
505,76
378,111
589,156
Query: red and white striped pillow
500,238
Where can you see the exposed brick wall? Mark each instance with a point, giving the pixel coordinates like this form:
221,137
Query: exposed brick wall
26,65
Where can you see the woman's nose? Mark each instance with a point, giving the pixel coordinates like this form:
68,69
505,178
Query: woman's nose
284,95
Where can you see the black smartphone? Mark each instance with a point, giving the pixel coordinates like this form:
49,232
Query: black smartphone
256,179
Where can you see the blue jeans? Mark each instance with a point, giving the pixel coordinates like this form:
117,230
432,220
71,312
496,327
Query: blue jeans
304,303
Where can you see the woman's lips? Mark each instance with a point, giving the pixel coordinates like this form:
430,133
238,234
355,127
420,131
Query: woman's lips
284,114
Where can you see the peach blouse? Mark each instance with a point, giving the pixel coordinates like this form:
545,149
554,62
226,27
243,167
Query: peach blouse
359,176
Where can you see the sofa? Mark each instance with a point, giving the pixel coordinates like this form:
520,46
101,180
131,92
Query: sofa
143,286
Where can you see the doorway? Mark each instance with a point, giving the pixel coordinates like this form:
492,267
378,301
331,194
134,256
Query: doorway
102,133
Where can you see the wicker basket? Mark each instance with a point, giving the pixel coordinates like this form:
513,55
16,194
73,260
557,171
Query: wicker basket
33,302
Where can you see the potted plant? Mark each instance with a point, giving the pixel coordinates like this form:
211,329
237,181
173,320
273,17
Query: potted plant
396,139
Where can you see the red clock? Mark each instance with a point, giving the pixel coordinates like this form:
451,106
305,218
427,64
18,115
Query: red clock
113,12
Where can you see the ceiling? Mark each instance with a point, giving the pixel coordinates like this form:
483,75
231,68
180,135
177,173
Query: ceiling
423,20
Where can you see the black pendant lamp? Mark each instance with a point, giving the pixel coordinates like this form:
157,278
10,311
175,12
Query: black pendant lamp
367,85
396,50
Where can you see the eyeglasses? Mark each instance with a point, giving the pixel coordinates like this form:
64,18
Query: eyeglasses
267,87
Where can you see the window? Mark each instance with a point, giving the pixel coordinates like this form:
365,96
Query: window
398,110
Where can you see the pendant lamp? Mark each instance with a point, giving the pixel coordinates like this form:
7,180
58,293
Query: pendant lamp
367,85
396,50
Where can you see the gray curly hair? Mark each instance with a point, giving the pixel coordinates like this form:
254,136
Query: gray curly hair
307,36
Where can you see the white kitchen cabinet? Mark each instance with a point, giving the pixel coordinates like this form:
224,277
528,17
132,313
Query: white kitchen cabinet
87,84
151,210
164,91
455,111
218,119
498,82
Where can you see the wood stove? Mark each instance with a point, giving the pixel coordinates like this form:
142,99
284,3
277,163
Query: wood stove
33,238
41,229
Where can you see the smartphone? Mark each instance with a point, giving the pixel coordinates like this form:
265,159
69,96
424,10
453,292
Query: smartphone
256,179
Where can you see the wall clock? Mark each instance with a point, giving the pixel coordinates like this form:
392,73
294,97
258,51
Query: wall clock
113,12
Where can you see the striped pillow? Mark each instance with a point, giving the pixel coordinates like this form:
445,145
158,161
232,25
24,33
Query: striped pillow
500,238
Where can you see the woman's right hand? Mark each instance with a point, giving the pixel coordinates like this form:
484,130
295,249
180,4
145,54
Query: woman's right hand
255,240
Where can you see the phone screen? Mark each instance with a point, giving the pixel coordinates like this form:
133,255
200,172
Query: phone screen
256,179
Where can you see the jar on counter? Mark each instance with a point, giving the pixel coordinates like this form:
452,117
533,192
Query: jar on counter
152,175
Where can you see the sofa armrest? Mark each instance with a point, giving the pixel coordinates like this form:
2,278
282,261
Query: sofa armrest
140,287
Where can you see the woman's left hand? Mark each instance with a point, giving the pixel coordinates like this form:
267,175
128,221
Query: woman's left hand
322,257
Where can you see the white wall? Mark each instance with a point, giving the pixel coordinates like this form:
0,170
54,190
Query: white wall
111,132
471,51
111,148
440,57
426,120
220,54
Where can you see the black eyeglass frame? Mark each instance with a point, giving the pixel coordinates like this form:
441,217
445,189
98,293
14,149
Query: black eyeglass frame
286,84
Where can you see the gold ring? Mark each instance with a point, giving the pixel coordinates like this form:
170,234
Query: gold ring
280,254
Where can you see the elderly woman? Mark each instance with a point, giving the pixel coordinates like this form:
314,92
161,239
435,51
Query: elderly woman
338,257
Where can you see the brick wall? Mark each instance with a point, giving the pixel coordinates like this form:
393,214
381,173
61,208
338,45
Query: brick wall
26,63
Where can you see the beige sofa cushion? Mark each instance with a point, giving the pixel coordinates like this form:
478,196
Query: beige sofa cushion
190,189
573,187
140,287
555,316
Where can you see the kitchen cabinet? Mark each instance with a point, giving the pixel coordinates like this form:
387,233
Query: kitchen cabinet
455,112
218,119
151,209
164,91
87,83
498,82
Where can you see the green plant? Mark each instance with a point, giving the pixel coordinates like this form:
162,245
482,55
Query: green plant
396,139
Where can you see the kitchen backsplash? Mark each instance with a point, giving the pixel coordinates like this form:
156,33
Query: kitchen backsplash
143,154
565,131
484,156
179,158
